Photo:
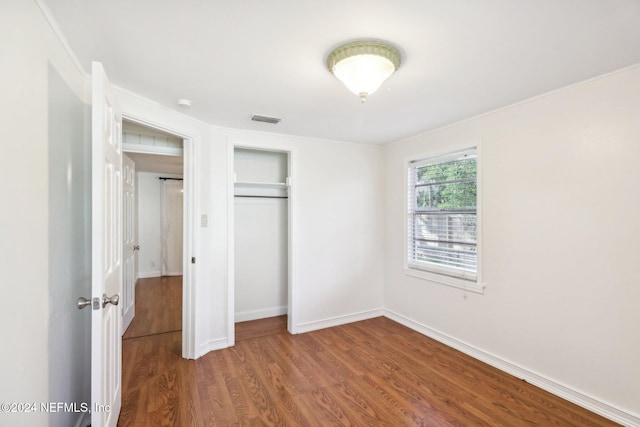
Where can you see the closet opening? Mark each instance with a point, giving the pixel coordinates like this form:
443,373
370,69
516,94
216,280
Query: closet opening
261,218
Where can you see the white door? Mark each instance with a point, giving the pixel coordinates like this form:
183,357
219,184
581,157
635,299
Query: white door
129,242
106,234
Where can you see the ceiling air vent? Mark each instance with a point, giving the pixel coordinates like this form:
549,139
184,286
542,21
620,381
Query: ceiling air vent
265,119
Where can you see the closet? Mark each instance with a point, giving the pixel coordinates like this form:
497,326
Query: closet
261,233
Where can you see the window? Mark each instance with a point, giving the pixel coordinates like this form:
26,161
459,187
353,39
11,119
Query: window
442,217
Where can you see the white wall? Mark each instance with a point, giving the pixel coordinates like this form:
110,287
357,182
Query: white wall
261,258
40,83
340,252
560,236
69,249
260,166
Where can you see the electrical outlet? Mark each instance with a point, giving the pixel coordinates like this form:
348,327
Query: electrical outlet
204,220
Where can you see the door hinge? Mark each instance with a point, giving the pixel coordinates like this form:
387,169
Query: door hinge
96,303
193,260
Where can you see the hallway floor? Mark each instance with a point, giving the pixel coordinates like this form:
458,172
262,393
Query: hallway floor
158,307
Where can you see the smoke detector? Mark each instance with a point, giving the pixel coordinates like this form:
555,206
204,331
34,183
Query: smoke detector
185,103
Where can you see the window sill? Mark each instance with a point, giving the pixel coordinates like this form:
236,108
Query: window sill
475,287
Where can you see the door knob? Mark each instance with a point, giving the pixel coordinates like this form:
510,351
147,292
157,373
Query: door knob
83,302
113,300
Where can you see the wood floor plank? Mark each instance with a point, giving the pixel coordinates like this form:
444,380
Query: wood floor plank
409,409
260,328
371,373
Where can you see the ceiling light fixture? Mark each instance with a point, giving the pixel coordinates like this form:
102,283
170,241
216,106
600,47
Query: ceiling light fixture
364,65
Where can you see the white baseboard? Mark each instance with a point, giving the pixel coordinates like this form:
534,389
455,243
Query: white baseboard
563,391
244,316
173,273
338,320
212,345
304,327
148,274
157,273
127,318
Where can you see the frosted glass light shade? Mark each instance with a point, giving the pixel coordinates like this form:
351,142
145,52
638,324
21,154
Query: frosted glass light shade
363,65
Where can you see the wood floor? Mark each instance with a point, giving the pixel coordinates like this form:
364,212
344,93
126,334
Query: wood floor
158,307
370,373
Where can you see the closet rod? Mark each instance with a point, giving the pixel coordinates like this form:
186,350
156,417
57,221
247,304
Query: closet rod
265,197
165,178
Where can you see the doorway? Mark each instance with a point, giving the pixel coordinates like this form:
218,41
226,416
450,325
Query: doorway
159,232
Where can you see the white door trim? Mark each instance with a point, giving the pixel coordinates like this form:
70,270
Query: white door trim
189,235
231,260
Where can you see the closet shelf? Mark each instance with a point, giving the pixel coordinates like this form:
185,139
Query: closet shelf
261,184
261,189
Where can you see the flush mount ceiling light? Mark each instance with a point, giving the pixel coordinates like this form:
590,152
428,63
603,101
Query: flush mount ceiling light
364,65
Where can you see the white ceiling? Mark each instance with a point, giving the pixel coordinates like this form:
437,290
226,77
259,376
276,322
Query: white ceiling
233,58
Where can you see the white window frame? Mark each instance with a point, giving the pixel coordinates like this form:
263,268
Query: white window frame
472,283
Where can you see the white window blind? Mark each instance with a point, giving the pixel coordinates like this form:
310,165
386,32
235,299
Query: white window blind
442,214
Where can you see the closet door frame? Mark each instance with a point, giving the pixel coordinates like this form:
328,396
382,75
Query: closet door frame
290,151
